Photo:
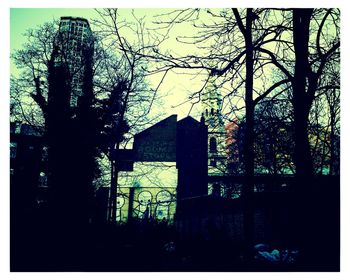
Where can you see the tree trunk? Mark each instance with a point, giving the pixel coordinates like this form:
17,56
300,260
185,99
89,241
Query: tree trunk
303,91
331,105
301,96
248,188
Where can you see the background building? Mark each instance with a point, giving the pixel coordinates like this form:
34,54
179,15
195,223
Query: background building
217,154
75,44
28,174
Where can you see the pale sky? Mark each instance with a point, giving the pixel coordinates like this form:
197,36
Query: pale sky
176,87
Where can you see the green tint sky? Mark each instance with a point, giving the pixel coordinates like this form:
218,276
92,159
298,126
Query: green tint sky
22,19
174,91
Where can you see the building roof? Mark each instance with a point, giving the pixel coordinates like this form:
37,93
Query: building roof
75,18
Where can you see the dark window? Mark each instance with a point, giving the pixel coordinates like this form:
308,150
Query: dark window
13,149
44,154
217,190
212,145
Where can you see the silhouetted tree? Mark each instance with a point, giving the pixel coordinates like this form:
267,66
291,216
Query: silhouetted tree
111,105
135,99
311,56
273,48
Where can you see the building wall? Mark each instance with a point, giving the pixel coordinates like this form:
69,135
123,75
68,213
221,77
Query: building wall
151,190
149,203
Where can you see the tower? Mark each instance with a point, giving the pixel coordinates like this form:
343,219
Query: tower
74,45
211,112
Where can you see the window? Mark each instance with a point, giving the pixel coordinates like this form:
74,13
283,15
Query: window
212,145
42,180
13,149
74,101
18,129
44,153
216,190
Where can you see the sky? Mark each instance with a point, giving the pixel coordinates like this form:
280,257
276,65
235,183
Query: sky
22,19
177,85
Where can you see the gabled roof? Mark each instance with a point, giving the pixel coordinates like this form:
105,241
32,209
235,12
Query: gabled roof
188,119
162,123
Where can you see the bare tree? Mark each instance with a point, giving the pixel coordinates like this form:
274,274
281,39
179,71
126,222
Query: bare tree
29,87
119,98
136,99
308,68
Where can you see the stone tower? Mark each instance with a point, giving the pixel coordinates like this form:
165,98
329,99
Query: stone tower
211,112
